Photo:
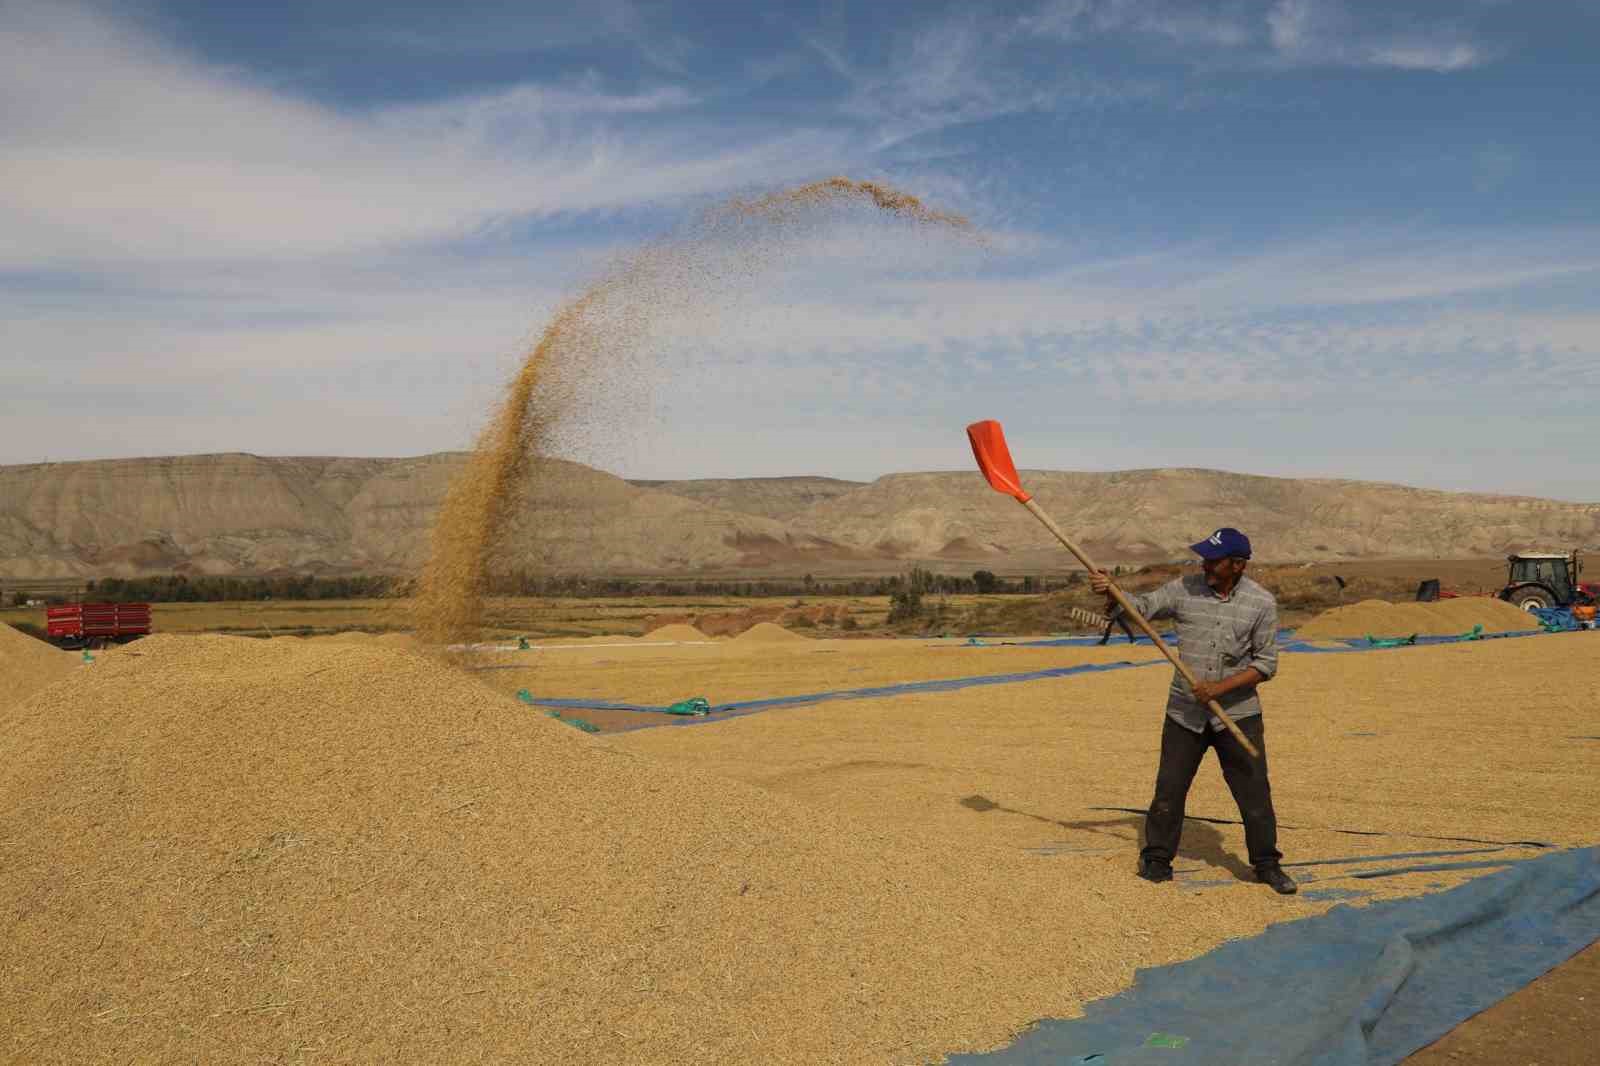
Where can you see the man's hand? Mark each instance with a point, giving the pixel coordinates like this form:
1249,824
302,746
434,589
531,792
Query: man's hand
1100,581
1206,691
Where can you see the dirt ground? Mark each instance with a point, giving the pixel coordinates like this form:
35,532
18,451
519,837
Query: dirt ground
1552,1022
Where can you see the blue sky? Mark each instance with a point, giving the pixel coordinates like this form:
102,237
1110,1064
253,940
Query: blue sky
1319,238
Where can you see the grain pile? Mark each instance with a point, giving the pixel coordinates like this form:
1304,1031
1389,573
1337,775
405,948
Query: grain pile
1390,746
27,665
676,631
767,633
604,326
1442,618
224,850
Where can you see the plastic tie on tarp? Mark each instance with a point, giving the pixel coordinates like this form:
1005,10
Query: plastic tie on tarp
1390,642
576,723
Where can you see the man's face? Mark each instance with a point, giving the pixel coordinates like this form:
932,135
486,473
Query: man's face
1221,574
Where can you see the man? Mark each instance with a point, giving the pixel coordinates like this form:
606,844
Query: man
1228,637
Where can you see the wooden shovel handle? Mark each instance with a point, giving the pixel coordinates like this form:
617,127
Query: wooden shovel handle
1139,620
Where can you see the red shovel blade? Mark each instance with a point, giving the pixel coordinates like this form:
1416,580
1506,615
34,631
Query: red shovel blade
994,458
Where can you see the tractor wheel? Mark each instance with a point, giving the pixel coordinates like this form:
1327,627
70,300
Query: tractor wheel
1532,599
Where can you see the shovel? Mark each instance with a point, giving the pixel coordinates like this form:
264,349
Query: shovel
994,459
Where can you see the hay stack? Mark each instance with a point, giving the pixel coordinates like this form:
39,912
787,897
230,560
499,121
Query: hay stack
1443,618
227,851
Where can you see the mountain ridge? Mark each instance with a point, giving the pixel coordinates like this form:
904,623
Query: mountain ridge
241,513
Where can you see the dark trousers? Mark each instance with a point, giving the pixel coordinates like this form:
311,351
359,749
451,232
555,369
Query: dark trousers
1181,754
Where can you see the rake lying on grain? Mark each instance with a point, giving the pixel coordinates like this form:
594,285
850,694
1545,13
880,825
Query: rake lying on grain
1100,621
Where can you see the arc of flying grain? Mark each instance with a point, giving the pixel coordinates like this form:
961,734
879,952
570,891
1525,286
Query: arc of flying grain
448,603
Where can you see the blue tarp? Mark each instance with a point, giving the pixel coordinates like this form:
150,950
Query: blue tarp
1364,644
1360,986
723,711
1557,619
1286,639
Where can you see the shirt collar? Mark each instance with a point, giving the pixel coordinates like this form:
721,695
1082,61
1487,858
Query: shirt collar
1231,592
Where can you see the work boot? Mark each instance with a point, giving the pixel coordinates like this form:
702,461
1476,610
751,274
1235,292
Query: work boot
1281,882
1154,870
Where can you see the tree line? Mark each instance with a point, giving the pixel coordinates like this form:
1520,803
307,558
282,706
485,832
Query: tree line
181,588
923,581
910,586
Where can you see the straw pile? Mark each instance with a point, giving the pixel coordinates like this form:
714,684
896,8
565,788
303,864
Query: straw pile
224,850
1443,618
27,665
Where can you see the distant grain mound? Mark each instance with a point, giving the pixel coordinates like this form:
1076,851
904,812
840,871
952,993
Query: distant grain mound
1443,618
228,851
767,633
676,631
27,665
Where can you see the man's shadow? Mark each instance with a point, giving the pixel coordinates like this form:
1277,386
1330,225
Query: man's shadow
1202,841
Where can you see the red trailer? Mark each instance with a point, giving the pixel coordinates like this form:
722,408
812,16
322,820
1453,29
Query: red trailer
92,625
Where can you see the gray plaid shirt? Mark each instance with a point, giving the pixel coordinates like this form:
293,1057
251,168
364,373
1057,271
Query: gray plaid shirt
1217,638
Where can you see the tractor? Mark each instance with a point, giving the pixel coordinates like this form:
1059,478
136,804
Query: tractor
1547,579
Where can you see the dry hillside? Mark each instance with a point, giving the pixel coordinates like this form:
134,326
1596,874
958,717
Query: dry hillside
771,497
249,514
220,514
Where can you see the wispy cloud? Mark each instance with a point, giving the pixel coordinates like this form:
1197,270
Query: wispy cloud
1283,34
1229,24
499,28
1329,33
1368,317
953,71
119,145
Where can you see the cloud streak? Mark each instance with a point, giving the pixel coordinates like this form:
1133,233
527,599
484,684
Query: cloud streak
1280,34
119,146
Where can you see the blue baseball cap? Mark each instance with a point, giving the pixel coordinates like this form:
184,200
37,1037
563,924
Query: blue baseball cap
1223,543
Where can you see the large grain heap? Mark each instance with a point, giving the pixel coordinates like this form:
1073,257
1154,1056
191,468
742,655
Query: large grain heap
27,665
223,850
1442,618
